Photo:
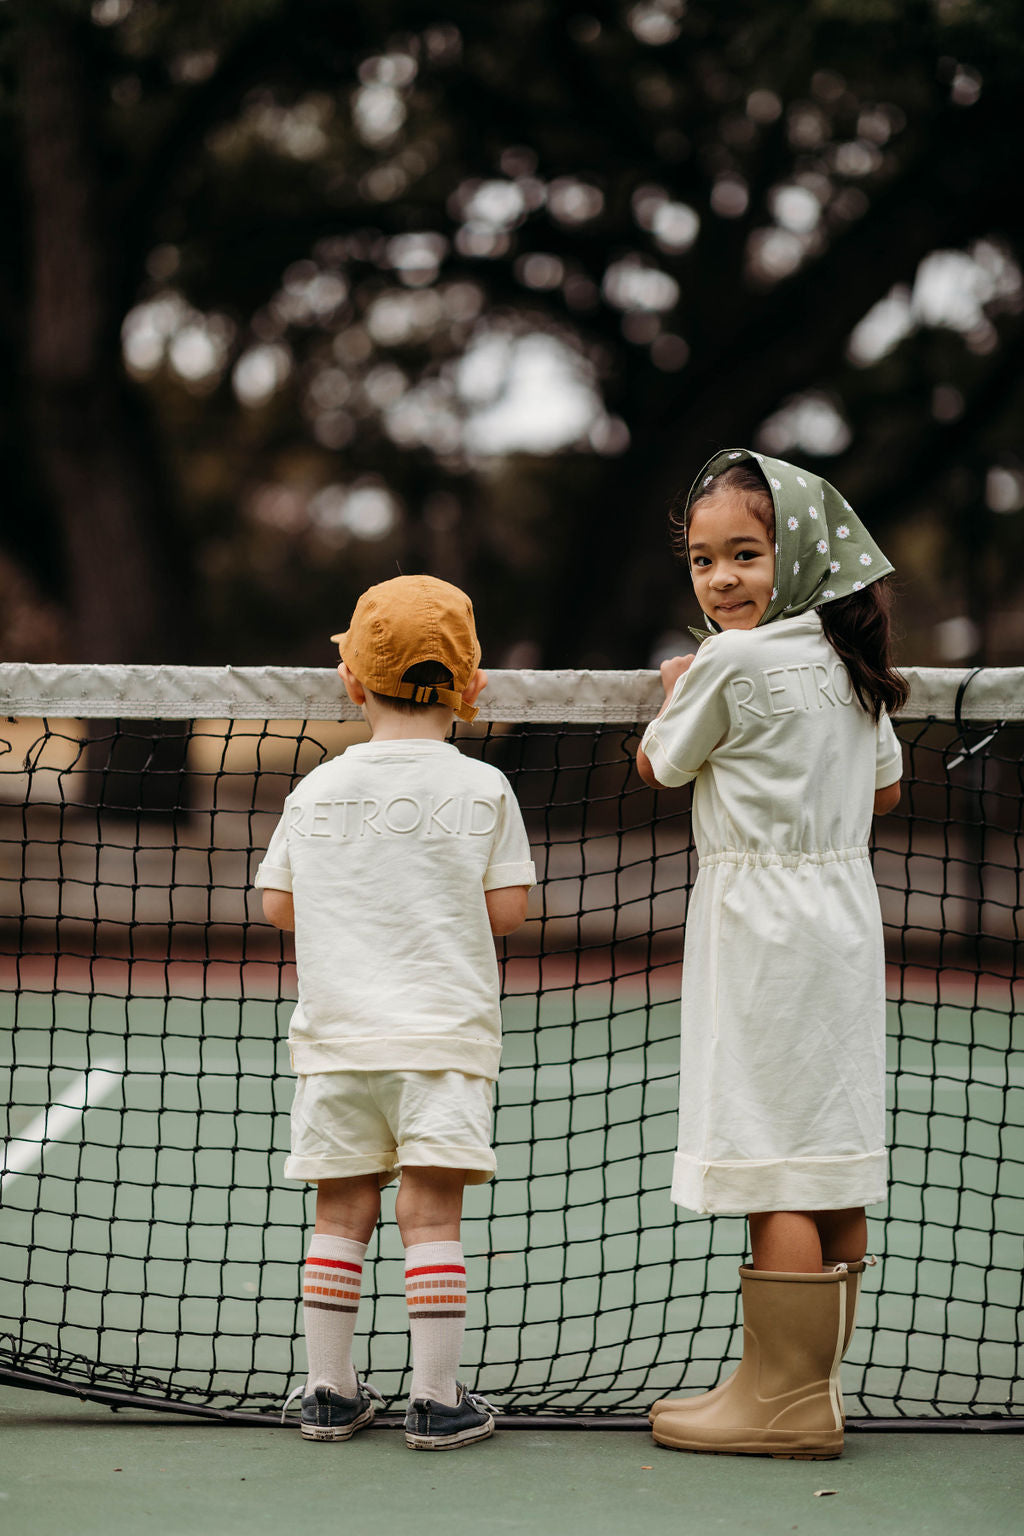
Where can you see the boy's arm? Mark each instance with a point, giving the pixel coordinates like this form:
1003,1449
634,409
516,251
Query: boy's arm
279,908
506,908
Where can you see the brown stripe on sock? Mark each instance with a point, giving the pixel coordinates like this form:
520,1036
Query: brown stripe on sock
435,1312
328,1306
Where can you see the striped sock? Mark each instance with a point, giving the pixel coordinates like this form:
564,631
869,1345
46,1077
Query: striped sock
435,1289
330,1301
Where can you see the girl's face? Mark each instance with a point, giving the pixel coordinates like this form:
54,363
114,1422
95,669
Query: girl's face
732,560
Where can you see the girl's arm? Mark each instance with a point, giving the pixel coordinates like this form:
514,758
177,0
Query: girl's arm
887,799
279,908
671,671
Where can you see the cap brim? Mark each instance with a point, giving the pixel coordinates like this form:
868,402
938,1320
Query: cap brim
339,640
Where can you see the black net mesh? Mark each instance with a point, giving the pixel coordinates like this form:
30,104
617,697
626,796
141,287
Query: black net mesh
151,1246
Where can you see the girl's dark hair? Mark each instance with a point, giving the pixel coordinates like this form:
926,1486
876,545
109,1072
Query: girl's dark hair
858,629
743,478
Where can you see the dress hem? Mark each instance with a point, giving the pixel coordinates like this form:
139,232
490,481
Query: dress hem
793,1184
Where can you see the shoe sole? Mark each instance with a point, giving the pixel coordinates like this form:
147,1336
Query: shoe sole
782,1445
336,1431
450,1442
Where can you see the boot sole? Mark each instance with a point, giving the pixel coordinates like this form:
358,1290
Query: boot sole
337,1431
454,1442
783,1445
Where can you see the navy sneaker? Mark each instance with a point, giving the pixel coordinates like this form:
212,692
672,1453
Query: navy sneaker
326,1415
433,1426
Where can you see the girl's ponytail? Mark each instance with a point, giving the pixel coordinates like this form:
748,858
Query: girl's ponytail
857,627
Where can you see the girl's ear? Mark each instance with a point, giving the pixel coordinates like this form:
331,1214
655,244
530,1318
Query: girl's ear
353,687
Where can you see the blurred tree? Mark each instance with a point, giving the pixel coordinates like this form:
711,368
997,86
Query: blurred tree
293,294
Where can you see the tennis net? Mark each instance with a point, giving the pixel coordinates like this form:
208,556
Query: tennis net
152,1250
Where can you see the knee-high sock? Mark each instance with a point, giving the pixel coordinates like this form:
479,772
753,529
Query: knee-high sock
435,1290
330,1300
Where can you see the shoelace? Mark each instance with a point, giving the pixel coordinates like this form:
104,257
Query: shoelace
478,1401
361,1386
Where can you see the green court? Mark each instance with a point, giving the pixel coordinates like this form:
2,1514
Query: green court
69,1466
154,1247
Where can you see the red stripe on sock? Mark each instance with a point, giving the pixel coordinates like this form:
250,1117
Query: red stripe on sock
356,1269
436,1269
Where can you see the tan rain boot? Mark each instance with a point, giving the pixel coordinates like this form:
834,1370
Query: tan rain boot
854,1270
784,1398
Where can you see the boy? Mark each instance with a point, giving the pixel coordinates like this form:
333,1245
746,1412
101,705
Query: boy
395,863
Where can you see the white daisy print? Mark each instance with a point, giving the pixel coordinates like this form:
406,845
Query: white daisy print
865,559
813,511
833,566
846,504
777,484
800,480
708,479
793,524
775,593
822,547
842,532
828,593
796,567
736,455
858,586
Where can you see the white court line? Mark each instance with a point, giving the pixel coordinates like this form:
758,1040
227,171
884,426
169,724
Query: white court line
56,1120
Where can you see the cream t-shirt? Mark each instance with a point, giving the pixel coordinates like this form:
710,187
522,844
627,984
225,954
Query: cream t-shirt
387,851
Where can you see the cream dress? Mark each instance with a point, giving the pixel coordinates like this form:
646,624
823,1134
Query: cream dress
782,1077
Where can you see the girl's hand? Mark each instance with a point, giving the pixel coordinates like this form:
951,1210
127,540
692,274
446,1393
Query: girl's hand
672,670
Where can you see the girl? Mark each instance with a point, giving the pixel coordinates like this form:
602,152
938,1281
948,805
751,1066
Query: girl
781,719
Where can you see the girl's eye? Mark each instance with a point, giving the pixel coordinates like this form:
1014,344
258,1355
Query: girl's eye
700,560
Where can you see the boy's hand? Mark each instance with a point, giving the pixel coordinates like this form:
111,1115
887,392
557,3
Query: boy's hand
672,670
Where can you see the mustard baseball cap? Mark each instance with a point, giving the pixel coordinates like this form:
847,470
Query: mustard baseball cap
407,620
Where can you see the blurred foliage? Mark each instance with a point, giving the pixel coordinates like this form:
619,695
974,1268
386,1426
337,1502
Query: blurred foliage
278,278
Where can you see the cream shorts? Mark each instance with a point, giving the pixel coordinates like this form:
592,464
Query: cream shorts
349,1123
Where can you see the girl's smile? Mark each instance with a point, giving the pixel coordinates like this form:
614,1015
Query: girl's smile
732,560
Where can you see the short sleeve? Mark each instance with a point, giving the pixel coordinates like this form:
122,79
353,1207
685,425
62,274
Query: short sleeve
510,862
680,741
888,755
275,873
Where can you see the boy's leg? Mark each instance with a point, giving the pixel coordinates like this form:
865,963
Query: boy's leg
429,1212
346,1214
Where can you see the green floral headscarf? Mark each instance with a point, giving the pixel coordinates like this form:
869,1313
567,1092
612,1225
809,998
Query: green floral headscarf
822,549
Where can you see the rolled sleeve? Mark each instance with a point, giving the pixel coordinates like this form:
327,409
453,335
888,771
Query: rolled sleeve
510,862
497,876
275,872
696,719
273,877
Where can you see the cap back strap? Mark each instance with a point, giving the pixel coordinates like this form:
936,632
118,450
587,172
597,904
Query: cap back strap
430,693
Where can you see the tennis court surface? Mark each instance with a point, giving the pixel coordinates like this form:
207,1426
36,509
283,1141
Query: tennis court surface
153,1250
76,1467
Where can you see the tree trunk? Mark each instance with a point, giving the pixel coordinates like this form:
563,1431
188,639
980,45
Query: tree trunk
127,594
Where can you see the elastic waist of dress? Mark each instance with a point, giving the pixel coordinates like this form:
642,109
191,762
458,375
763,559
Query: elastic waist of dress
746,856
